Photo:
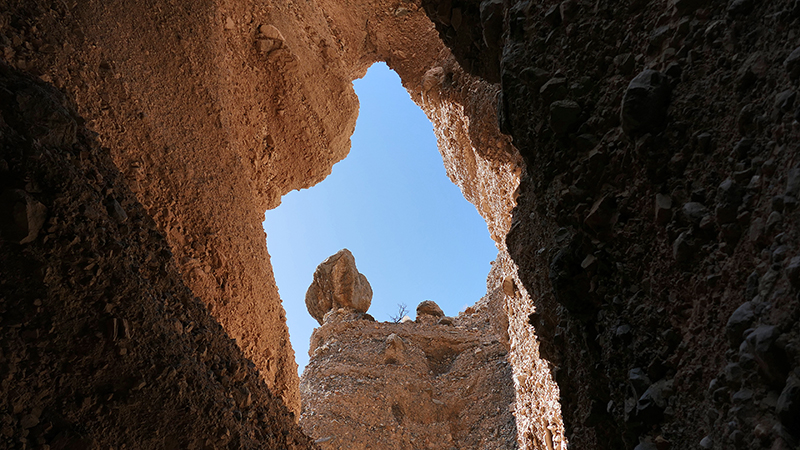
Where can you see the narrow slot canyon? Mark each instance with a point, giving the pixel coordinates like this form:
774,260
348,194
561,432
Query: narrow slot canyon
636,165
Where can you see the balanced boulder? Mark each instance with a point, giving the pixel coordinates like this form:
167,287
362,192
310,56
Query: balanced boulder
338,284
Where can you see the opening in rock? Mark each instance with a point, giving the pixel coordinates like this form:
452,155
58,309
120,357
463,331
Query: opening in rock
390,202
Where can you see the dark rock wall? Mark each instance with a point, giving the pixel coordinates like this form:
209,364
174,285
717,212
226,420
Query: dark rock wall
661,144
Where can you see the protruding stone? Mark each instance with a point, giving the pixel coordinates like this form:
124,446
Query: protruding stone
788,406
28,421
650,406
638,380
554,89
793,271
270,32
793,183
645,103
792,63
739,321
694,212
603,215
740,7
509,288
683,247
563,115
447,321
49,122
429,308
553,16
269,38
769,357
338,284
393,352
663,209
24,216
491,13
116,211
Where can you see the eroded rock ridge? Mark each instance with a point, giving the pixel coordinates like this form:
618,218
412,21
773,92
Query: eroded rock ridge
434,383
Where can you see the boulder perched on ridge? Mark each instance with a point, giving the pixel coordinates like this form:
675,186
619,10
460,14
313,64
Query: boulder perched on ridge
338,284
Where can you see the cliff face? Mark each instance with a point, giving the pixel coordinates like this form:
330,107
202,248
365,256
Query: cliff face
656,225
102,343
412,385
213,110
436,382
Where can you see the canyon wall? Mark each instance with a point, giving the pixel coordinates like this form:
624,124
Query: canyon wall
656,224
102,344
213,110
645,215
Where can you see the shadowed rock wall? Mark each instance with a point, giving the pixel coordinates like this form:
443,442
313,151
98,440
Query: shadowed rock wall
654,188
656,224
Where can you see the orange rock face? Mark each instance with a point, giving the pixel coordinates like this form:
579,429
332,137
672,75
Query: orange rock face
102,345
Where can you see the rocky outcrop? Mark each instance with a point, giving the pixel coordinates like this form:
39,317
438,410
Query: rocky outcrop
338,284
214,110
411,385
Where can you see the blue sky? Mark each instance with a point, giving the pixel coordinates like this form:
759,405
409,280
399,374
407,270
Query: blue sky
390,202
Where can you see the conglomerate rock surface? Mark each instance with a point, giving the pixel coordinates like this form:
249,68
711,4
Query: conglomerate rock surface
656,230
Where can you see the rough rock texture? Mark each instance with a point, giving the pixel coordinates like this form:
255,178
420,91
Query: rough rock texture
408,385
101,343
214,109
634,308
338,284
617,301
